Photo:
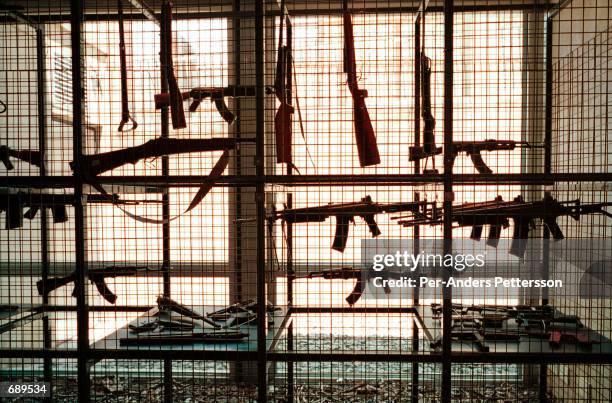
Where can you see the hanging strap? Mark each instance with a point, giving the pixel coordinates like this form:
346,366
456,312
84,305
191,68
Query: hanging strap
214,175
125,108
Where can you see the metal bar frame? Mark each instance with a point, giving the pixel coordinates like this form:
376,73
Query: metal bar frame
263,355
76,40
301,180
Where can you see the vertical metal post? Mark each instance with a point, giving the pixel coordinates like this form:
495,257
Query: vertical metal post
44,228
448,195
417,171
289,233
262,391
543,384
165,132
76,12
237,247
548,100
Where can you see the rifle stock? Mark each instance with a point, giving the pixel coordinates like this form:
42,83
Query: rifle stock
367,149
177,112
100,163
429,148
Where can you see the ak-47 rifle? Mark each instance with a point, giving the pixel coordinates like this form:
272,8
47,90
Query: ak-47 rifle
428,149
29,156
96,276
216,95
343,273
345,213
346,273
13,204
176,102
364,131
474,148
282,88
126,117
93,165
96,164
497,214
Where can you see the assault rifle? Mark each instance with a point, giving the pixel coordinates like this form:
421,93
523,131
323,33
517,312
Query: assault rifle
96,276
96,164
216,95
176,103
215,336
13,204
346,273
364,131
282,88
474,148
429,148
343,273
92,165
497,214
29,156
345,214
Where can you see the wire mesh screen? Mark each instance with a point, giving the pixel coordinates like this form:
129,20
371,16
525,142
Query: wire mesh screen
234,201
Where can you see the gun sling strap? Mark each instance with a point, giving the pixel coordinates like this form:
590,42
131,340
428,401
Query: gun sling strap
126,117
214,175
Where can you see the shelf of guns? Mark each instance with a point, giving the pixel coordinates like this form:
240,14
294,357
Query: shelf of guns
173,323
365,137
480,323
496,214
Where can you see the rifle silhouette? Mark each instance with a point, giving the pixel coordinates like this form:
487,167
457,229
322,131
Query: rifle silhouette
29,156
96,276
498,213
281,88
13,204
177,112
345,213
364,131
126,117
429,148
93,165
346,273
216,95
474,149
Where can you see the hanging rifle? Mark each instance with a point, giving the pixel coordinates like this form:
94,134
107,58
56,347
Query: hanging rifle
93,165
216,95
176,103
474,148
13,204
343,273
429,148
497,214
125,108
96,276
29,156
282,88
364,131
345,213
